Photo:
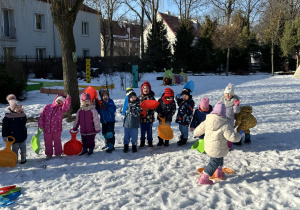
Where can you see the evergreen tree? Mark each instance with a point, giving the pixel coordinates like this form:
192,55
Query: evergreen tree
158,53
183,49
290,42
205,57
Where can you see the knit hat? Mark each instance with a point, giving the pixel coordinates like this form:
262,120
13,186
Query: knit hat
169,92
219,109
132,93
229,89
146,83
85,97
204,104
186,91
11,97
60,98
102,92
128,91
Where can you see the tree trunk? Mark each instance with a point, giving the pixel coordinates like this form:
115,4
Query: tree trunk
142,33
227,61
69,67
64,19
272,58
297,57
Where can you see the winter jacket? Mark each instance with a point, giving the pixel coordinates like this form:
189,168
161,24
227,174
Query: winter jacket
88,120
14,124
185,111
166,110
149,112
245,120
132,116
199,116
230,108
107,114
52,116
217,131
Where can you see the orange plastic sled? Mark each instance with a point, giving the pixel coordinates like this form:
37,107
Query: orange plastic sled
225,170
148,104
7,157
165,131
73,147
93,93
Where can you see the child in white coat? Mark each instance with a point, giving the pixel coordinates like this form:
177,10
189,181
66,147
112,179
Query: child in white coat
218,130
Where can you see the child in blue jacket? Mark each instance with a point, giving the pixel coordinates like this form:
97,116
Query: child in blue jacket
185,113
200,114
107,109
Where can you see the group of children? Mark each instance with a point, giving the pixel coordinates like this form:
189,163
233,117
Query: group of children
217,123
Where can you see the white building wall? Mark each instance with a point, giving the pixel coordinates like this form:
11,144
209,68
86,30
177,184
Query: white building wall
28,39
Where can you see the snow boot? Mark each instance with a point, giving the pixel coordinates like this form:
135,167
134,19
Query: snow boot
48,157
134,148
166,144
247,138
237,143
219,173
91,151
204,179
105,146
160,142
23,158
150,144
111,148
142,143
180,139
84,151
126,148
182,142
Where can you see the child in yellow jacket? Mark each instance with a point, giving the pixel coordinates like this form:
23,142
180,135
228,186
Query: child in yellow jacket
244,121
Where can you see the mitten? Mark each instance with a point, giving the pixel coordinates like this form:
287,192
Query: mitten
236,102
242,133
74,130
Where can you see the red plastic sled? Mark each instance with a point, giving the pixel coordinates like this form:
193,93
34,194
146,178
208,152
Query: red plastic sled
148,104
73,147
4,190
93,93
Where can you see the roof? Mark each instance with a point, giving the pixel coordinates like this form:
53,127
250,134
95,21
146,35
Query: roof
83,7
171,21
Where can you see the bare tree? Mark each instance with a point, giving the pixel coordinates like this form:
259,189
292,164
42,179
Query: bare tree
108,9
272,24
227,7
188,8
133,5
64,15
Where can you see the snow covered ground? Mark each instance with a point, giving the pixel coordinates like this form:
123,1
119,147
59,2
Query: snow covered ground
266,171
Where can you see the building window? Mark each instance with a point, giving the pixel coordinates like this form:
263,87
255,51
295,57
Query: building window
85,28
86,53
40,53
9,30
39,22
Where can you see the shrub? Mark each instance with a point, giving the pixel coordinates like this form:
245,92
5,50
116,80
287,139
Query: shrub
10,85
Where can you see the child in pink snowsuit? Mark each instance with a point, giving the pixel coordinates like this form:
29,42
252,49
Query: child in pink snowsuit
51,123
88,119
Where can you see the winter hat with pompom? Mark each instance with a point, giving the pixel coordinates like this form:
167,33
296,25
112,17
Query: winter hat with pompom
229,89
169,92
60,98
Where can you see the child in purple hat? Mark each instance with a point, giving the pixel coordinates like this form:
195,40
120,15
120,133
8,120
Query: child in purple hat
218,130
